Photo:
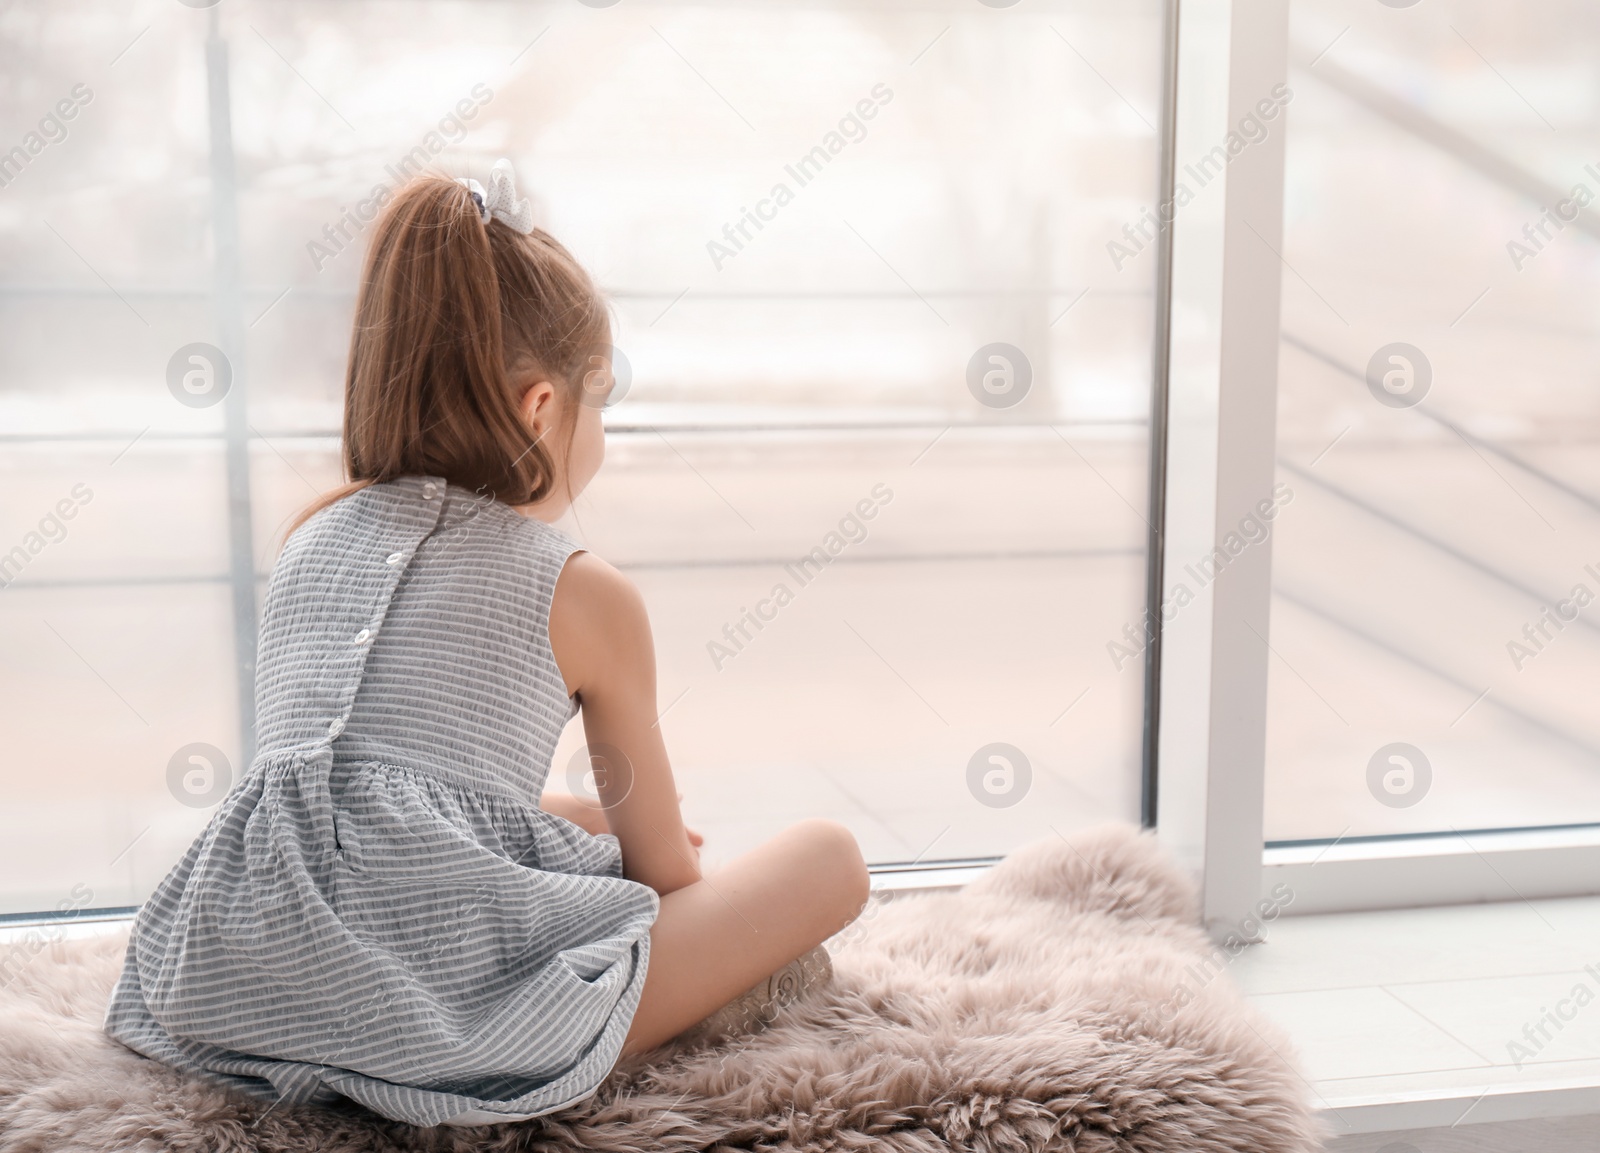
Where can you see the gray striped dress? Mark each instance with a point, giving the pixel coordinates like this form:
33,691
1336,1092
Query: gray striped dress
380,910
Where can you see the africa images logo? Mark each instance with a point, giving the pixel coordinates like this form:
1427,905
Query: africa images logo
52,129
1399,375
1399,775
199,375
999,375
199,775
999,775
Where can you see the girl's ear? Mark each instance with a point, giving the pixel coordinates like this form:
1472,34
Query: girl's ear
538,406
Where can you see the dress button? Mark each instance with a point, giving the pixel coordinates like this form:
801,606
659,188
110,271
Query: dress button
336,727
392,558
363,636
430,490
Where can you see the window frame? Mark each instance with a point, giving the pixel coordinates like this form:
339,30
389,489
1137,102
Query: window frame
1214,408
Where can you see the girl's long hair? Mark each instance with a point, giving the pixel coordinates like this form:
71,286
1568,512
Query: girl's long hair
449,310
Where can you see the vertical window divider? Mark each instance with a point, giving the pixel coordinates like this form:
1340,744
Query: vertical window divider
229,316
1225,218
1160,369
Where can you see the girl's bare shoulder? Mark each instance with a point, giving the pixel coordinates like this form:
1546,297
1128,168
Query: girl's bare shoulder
598,622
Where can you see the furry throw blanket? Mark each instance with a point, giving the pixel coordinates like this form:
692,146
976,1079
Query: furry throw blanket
1066,1001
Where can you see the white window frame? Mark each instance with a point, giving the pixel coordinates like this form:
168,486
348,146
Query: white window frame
1215,408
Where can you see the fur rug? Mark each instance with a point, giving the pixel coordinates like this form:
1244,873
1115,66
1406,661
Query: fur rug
1063,1002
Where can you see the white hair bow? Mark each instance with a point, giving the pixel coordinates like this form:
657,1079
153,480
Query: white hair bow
500,201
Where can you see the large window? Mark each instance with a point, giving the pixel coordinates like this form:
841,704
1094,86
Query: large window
895,294
1436,610
945,316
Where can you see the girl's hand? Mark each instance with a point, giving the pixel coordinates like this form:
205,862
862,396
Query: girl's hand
695,838
591,818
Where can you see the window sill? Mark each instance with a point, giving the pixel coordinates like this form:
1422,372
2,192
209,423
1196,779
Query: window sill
1427,871
1404,1018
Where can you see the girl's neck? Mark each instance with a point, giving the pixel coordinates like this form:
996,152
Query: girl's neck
551,509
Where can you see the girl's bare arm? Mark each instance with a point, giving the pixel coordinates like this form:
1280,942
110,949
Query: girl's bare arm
585,815
600,634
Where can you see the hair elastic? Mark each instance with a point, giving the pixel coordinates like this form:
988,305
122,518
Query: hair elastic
500,201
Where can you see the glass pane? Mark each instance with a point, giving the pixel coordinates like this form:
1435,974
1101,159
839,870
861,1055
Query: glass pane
813,221
1436,645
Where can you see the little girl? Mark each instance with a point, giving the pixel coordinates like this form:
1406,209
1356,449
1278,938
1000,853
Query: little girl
388,908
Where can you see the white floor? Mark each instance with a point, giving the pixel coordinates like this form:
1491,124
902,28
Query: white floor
1405,1019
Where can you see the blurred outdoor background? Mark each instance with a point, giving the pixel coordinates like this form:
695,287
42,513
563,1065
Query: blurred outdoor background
1426,534
182,202
768,396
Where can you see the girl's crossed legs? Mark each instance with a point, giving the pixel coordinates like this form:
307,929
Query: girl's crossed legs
716,938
